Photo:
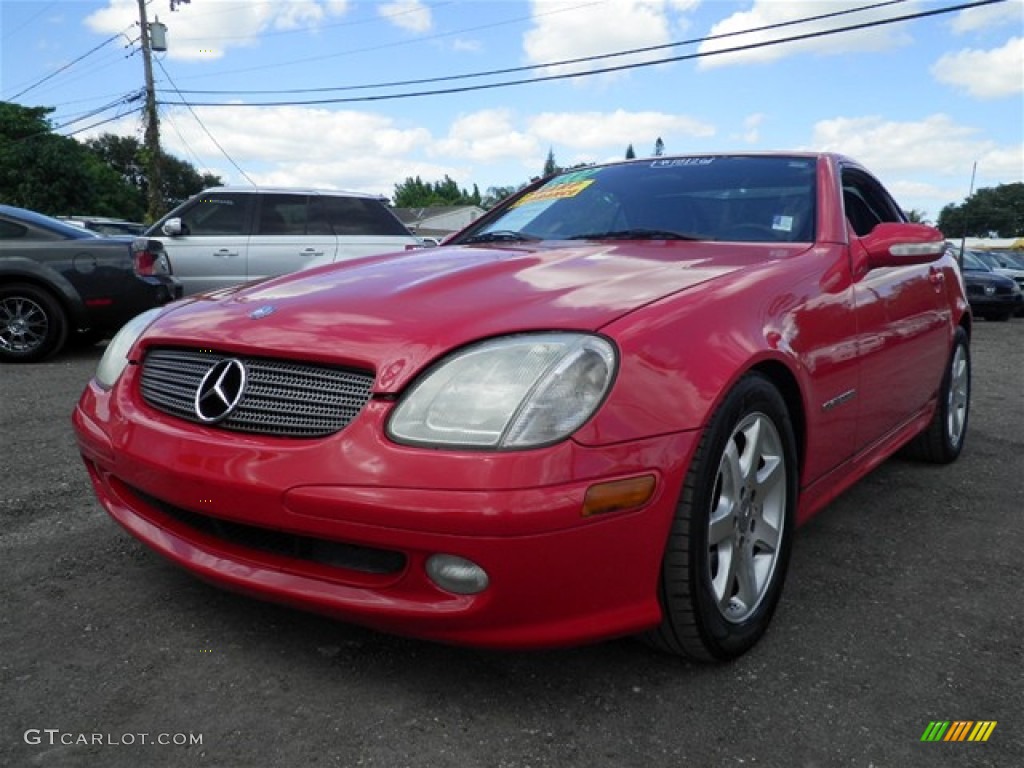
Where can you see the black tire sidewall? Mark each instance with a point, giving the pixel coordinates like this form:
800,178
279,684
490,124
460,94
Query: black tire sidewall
725,639
56,330
950,449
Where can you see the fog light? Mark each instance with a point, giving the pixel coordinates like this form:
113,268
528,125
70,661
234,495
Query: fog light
457,574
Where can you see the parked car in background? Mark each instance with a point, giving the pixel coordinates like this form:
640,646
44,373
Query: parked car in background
60,283
1004,264
227,235
106,226
602,409
1009,259
992,296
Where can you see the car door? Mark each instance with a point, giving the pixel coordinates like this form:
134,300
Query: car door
211,249
903,319
285,239
364,226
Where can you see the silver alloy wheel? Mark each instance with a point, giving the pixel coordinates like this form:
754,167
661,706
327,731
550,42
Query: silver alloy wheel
748,514
958,395
23,324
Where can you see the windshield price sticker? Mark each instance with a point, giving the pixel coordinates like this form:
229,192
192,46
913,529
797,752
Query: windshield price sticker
557,191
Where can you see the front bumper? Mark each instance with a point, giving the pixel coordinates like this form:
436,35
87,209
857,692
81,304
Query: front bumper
985,304
345,525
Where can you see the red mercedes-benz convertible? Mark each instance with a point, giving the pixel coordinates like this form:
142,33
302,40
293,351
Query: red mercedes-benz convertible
600,410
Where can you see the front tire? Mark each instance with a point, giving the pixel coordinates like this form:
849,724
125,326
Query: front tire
728,550
33,325
943,439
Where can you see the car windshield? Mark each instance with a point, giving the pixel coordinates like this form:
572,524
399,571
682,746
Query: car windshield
735,198
973,263
1009,260
988,259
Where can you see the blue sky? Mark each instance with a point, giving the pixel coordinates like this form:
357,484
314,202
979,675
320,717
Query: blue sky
919,102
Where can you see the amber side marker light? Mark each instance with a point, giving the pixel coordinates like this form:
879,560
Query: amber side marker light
618,495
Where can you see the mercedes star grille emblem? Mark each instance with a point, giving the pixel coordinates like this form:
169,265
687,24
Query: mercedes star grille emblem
220,391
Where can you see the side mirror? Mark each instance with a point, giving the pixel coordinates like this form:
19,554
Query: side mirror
899,245
171,227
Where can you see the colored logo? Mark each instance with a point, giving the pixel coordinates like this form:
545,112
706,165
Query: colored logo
958,730
265,311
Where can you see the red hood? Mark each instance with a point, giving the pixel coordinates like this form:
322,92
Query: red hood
397,313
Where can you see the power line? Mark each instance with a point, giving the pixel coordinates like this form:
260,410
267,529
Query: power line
605,70
66,66
317,27
104,122
279,64
11,33
125,99
203,126
565,62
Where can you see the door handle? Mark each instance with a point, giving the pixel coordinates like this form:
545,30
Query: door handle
311,252
224,253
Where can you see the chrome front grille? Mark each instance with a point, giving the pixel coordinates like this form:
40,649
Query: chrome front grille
280,397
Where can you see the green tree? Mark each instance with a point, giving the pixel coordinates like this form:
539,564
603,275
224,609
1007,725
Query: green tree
416,193
989,212
126,155
659,147
550,166
630,153
495,195
54,174
916,216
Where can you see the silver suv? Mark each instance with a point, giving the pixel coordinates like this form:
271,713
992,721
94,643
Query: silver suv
229,235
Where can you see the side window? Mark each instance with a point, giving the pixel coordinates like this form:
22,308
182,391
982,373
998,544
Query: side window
10,230
282,214
219,214
866,203
352,216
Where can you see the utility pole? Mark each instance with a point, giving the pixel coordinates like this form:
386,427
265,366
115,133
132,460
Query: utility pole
152,134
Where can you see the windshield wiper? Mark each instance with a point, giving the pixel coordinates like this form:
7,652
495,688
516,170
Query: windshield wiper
501,236
638,233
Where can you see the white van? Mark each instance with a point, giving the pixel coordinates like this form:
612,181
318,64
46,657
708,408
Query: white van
229,235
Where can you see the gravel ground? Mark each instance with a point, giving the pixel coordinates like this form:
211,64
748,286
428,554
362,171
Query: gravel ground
903,606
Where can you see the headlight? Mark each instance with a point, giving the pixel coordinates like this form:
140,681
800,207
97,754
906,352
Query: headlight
115,357
511,392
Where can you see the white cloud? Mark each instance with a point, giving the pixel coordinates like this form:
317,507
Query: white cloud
602,132
207,29
984,74
463,44
937,144
987,16
927,163
752,124
563,32
486,136
299,146
410,15
770,12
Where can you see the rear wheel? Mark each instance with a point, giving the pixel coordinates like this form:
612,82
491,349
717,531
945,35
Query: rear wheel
729,545
32,324
943,438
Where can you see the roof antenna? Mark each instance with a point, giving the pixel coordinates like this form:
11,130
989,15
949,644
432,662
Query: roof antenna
963,239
